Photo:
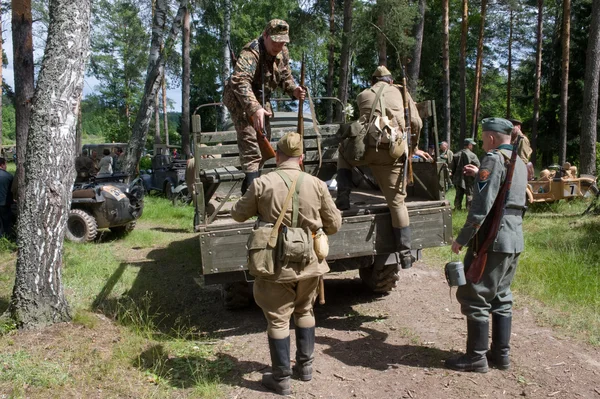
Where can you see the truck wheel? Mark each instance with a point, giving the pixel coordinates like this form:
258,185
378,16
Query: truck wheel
380,278
168,189
123,230
81,226
237,295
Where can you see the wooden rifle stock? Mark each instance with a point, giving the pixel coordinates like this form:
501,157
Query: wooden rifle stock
408,172
480,256
266,150
301,108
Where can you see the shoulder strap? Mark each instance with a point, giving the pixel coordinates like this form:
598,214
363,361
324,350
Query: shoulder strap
296,195
377,97
275,230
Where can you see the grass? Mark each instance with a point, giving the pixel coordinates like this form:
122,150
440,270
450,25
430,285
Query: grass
559,268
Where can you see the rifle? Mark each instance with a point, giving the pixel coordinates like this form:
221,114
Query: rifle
407,178
480,256
301,107
233,58
266,151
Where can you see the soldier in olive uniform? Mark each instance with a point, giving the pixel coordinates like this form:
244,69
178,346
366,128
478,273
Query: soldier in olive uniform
388,171
524,149
446,156
262,65
289,291
492,293
462,182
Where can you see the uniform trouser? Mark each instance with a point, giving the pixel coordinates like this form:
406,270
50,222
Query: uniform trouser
250,156
279,301
463,192
388,173
6,221
492,293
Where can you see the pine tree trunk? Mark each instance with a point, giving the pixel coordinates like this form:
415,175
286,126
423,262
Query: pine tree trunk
157,138
185,83
564,84
345,57
446,70
38,297
589,120
164,104
415,64
331,60
463,66
225,40
381,42
478,72
156,65
538,81
509,71
1,93
24,86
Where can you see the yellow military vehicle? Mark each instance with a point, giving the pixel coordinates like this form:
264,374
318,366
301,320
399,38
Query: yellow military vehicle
558,183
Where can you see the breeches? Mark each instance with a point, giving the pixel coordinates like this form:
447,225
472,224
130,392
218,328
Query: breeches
250,156
388,173
492,293
279,301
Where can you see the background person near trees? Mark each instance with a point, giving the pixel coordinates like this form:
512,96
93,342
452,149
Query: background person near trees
263,64
6,200
462,182
446,157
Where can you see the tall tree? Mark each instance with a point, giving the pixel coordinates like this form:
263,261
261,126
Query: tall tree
185,84
225,42
38,297
446,70
164,104
564,84
415,63
24,86
463,69
156,65
478,71
381,41
538,80
345,57
589,122
157,138
1,53
331,59
510,59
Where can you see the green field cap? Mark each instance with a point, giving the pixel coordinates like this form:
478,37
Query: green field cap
499,125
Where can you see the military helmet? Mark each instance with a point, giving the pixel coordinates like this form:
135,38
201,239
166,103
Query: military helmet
278,30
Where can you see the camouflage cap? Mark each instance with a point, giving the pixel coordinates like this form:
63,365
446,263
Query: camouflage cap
278,30
515,122
290,144
381,71
469,141
499,125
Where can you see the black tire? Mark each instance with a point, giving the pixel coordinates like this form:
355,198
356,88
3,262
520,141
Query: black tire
81,226
181,198
123,230
237,295
168,189
381,279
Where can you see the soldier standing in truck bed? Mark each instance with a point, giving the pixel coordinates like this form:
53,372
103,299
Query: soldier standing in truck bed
263,64
292,289
462,182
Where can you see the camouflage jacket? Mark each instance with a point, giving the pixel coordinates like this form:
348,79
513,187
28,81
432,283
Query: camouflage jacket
244,87
488,182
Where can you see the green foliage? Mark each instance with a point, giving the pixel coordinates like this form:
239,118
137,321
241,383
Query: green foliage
8,122
22,369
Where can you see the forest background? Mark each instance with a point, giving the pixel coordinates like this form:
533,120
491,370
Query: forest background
344,41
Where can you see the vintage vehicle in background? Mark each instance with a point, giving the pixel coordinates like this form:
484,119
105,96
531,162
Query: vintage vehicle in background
554,184
166,173
364,242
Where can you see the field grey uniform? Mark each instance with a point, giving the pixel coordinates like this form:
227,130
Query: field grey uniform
492,293
463,184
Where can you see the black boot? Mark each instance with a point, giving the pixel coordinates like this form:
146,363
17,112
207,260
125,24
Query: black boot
477,345
305,348
344,188
403,245
250,176
279,379
499,351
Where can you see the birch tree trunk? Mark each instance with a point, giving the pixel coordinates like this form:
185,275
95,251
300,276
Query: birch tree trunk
589,120
331,59
164,104
509,71
226,67
564,84
38,298
463,69
381,42
156,65
345,57
446,70
478,72
23,70
414,66
185,83
157,138
1,41
538,81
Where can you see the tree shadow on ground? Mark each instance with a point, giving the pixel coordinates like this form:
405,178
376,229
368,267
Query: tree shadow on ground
4,302
189,371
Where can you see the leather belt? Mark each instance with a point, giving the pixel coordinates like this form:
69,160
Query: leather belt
514,211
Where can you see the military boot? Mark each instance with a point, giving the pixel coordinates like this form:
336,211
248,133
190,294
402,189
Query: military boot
477,344
403,246
250,176
498,355
344,188
279,379
305,348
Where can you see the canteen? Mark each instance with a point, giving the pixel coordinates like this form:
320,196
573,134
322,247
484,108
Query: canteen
455,274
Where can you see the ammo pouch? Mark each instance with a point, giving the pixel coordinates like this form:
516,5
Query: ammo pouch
382,132
261,256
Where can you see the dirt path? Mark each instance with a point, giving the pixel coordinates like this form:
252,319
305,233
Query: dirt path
394,346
